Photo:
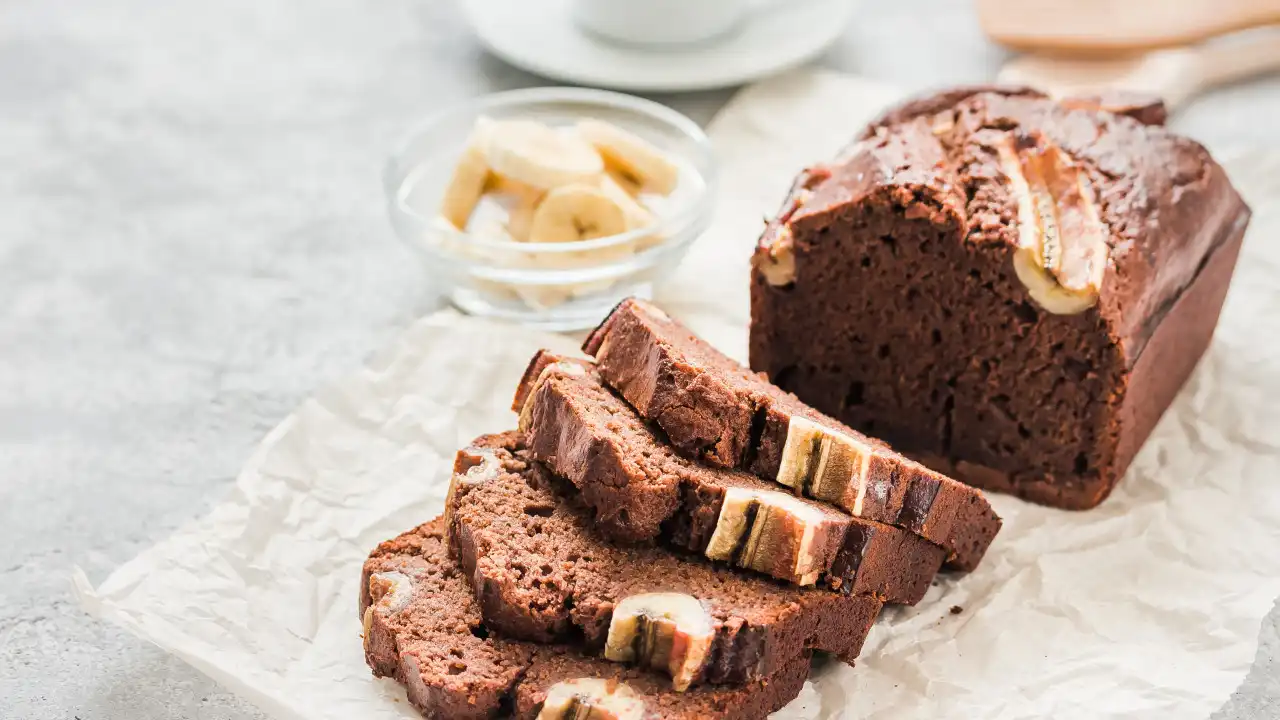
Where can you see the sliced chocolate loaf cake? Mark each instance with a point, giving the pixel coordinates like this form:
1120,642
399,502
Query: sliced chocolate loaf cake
713,408
542,572
641,489
1011,288
423,627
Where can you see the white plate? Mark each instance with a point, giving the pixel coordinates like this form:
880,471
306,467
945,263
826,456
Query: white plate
541,36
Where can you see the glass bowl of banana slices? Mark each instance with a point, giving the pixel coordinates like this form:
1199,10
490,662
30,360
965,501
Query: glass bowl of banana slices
549,206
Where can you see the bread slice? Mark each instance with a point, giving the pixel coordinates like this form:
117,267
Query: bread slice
641,489
542,572
423,628
713,408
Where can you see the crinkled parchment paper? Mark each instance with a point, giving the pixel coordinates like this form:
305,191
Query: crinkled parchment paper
1148,606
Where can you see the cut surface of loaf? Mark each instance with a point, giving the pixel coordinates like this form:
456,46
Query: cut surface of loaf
641,489
422,627
1009,288
542,572
712,407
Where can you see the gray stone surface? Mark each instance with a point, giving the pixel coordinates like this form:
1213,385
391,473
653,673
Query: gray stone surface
192,239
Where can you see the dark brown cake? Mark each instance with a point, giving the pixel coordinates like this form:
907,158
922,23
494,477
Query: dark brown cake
713,408
422,626
1146,109
641,489
541,572
1001,285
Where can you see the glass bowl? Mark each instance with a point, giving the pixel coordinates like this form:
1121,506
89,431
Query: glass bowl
552,286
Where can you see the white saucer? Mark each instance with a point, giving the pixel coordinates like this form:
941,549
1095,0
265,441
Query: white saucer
542,37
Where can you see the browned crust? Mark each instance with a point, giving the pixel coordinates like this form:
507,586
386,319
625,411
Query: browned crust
713,419
944,511
592,342
741,651
1170,209
537,364
932,102
887,476
393,651
1146,109
755,699
1174,351
1166,362
890,563
526,671
629,506
683,508
701,414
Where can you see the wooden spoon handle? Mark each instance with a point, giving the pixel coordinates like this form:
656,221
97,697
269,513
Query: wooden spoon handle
1093,27
1251,54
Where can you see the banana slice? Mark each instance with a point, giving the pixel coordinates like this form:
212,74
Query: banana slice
519,201
628,184
1062,254
534,154
520,217
470,177
591,699
632,157
576,212
636,215
612,211
662,630
522,204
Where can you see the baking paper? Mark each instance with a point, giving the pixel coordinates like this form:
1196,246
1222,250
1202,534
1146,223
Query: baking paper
1148,606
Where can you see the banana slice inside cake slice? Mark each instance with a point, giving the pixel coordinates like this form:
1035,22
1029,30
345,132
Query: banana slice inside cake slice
826,464
711,407
591,699
631,157
542,572
1063,248
424,628
642,489
666,631
770,532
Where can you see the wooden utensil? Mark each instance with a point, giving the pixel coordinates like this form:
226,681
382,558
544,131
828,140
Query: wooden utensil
1176,75
1112,26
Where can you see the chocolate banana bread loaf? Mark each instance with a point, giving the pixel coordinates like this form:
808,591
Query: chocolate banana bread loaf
641,489
713,408
1010,288
541,572
423,628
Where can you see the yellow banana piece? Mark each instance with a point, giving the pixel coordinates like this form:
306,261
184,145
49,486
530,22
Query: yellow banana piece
573,213
636,215
632,157
534,154
470,178
520,201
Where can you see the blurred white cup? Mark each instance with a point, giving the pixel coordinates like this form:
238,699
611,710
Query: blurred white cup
661,22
